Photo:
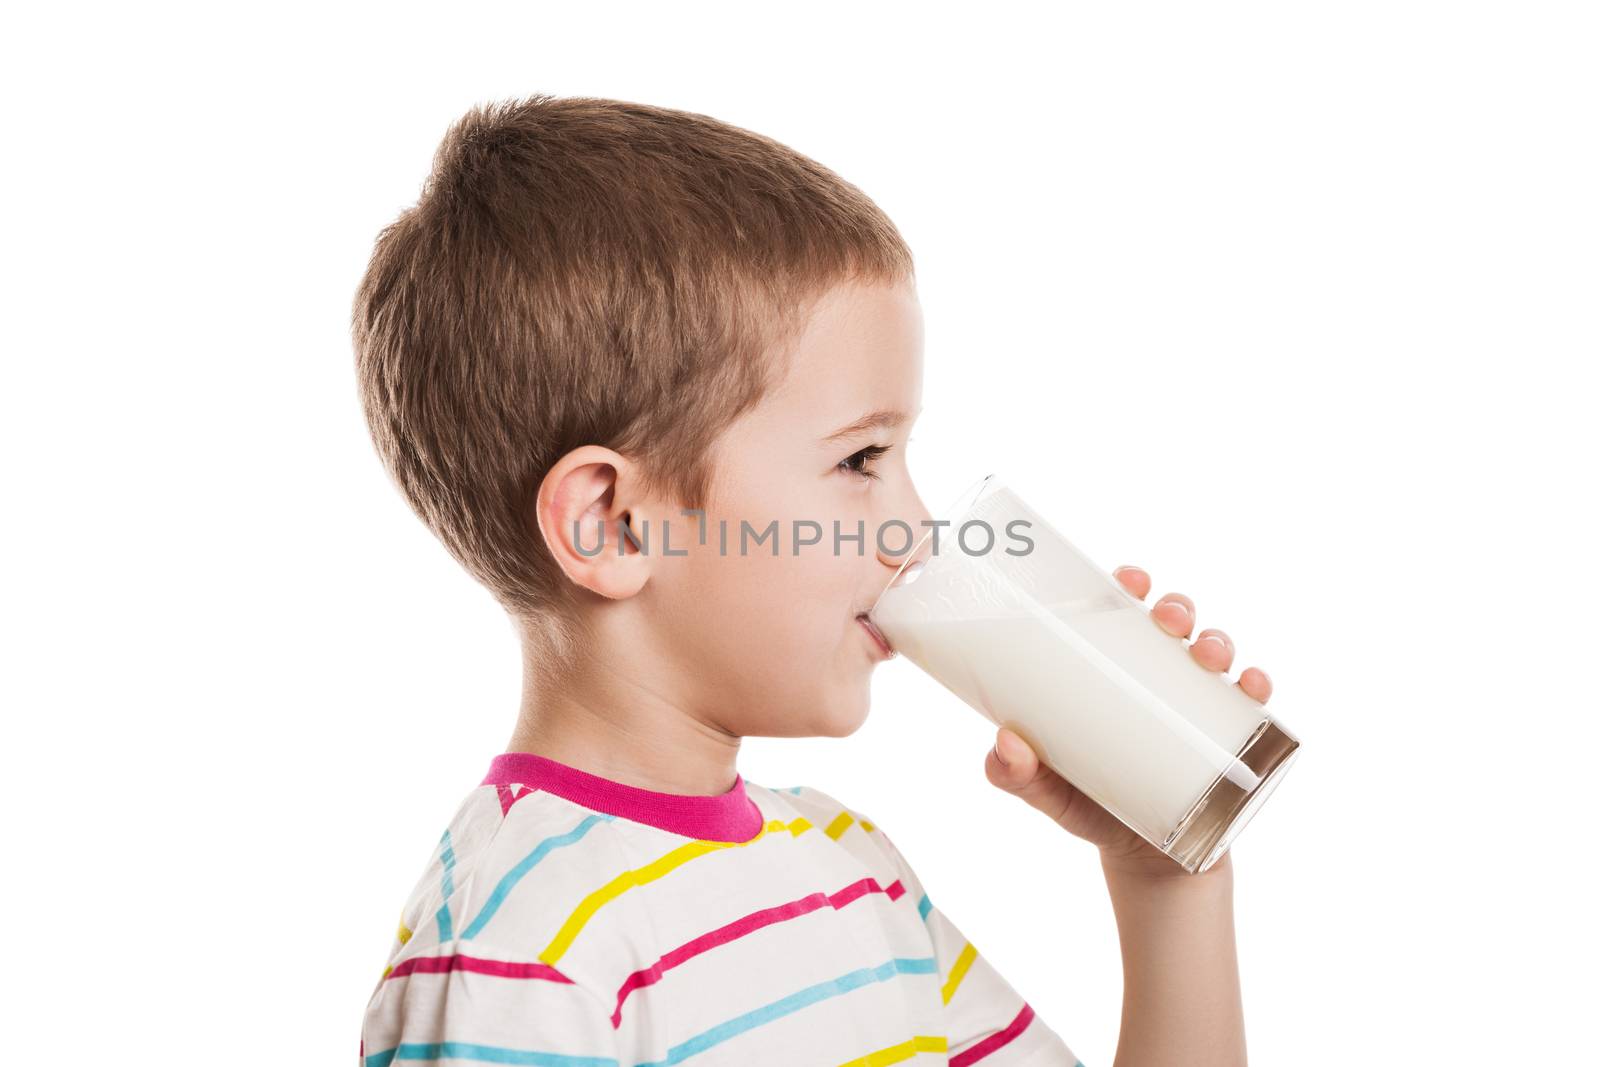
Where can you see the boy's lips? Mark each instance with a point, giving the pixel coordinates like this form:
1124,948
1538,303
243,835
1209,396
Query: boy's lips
877,635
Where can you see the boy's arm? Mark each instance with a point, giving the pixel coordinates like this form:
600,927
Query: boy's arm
1180,971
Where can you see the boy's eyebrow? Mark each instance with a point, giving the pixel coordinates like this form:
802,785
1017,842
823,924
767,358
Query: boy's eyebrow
885,419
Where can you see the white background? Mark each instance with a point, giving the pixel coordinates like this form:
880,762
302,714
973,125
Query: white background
1293,305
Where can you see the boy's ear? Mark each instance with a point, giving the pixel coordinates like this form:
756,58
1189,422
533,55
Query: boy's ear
582,506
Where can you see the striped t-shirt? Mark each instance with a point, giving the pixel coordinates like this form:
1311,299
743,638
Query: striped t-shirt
568,920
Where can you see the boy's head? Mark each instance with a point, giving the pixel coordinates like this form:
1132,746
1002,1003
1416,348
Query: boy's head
602,313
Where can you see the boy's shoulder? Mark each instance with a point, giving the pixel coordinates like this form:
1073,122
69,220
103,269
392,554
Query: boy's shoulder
498,860
816,804
507,871
850,827
545,843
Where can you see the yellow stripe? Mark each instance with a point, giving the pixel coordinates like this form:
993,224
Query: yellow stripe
959,971
843,821
898,1053
646,874
403,934
386,970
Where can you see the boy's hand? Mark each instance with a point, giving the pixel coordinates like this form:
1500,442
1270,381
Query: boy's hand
1021,772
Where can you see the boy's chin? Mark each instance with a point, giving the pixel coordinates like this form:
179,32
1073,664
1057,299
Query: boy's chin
844,717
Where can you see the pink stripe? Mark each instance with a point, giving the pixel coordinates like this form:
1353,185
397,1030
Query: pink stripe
506,799
995,1042
498,968
738,928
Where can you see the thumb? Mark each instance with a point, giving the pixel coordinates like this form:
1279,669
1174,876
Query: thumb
1012,765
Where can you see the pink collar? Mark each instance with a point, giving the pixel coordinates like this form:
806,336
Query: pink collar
730,816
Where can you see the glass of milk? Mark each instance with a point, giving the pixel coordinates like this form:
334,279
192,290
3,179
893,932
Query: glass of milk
1005,613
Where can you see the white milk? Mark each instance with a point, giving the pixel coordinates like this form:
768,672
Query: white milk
1049,645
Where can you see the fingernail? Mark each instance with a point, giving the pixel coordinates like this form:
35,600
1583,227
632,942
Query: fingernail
1217,639
999,756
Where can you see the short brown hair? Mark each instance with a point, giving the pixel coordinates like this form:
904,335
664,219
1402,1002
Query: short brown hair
588,271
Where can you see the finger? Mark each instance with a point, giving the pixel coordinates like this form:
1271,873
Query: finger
1175,613
1012,765
1214,650
1133,579
1254,681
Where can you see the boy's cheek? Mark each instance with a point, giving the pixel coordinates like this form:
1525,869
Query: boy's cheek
804,601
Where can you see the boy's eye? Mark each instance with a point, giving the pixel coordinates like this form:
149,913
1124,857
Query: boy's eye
859,462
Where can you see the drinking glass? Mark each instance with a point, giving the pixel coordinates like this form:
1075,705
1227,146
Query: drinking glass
1009,616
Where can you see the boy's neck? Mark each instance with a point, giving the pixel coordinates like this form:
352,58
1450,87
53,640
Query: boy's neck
616,728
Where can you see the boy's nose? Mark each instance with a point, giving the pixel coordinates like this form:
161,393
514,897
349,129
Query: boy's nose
894,546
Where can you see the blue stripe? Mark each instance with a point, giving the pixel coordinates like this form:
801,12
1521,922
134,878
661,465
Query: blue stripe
793,1003
515,874
461,1050
448,859
924,906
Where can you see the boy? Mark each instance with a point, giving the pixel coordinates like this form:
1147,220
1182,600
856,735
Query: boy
611,348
